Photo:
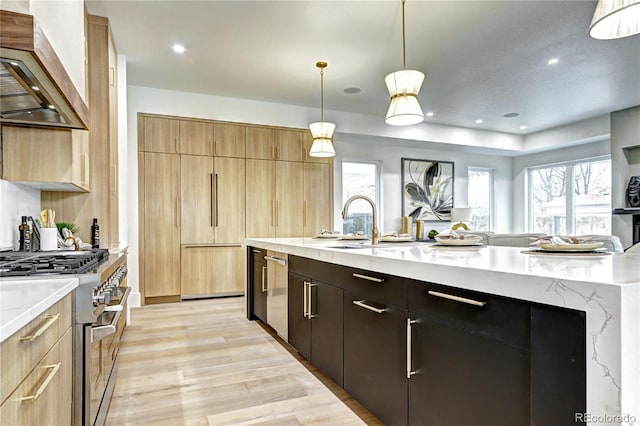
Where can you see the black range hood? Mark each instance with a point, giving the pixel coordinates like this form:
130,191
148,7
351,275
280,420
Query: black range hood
34,86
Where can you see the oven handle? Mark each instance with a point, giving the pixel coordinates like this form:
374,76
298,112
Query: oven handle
99,333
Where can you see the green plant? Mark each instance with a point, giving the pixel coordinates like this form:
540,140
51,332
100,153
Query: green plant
70,226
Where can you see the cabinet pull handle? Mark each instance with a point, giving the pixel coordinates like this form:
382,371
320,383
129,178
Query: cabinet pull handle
278,260
277,213
365,277
305,299
54,370
369,307
50,320
213,147
257,251
410,372
304,213
115,178
175,145
211,198
264,279
216,200
112,76
309,310
457,298
177,212
273,213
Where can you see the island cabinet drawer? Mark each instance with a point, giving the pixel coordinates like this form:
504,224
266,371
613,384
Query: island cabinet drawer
25,348
372,286
44,396
480,313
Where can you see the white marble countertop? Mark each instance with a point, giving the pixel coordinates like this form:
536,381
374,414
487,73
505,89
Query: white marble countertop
24,299
606,287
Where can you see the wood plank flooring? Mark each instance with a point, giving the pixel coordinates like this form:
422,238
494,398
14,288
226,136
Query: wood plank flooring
202,363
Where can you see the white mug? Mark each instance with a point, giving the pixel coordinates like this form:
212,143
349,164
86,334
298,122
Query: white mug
48,239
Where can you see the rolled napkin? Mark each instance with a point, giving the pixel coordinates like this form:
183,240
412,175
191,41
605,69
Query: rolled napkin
397,235
327,232
562,240
453,235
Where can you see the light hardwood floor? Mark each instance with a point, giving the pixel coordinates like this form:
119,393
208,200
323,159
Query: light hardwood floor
202,363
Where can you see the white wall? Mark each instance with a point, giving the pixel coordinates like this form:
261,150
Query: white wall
62,21
15,201
521,163
389,152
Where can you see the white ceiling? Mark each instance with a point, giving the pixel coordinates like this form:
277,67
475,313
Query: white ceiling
482,59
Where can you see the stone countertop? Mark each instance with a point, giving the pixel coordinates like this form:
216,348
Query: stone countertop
606,287
24,299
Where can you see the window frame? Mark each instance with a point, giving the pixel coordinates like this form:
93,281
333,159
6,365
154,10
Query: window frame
378,183
570,201
492,210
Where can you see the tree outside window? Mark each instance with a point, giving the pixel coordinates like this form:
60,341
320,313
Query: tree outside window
480,197
359,179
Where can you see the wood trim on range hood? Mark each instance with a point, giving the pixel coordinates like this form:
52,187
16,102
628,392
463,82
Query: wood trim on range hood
21,39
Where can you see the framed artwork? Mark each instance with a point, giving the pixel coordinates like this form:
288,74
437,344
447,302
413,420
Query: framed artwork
427,189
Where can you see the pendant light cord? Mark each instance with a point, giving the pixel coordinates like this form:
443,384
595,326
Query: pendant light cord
404,53
321,94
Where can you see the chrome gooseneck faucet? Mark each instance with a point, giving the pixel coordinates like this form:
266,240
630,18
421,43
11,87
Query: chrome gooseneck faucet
375,234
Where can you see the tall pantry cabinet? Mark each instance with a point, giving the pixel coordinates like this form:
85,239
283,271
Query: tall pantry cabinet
102,200
205,186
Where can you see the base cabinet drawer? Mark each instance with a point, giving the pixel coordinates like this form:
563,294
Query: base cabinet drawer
44,396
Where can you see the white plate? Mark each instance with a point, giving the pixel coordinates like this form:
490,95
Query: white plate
394,239
570,247
327,236
459,242
353,237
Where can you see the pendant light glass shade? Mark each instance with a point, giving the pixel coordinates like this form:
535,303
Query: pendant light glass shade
403,88
322,133
615,19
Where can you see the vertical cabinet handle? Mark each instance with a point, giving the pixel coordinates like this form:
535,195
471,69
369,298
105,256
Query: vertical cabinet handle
310,308
112,76
175,145
264,279
410,371
211,199
304,213
216,183
115,178
277,213
178,212
305,299
273,213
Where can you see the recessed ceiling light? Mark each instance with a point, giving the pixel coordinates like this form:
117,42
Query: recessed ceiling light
429,114
553,61
178,48
511,115
478,121
352,90
35,88
523,127
51,107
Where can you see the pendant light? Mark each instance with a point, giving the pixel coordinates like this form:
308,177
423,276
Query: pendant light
615,19
403,88
322,131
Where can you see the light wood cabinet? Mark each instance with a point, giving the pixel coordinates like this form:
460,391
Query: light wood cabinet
160,134
102,201
274,192
43,365
161,215
195,137
229,140
274,144
49,159
212,271
317,199
212,193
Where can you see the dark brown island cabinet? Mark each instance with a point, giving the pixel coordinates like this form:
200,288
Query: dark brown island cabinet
420,353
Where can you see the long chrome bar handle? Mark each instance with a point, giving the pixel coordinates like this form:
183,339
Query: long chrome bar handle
264,279
305,300
311,314
368,278
457,298
278,260
409,369
369,307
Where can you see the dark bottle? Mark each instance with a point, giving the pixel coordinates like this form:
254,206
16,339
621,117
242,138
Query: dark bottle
25,235
95,234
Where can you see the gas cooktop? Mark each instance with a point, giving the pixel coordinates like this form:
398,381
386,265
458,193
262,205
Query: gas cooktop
17,264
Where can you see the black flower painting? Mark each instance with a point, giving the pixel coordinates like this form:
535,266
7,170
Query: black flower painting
427,188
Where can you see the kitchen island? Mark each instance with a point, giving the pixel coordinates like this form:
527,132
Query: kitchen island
606,288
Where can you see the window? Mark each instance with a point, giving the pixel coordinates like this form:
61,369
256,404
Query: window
480,197
359,179
571,198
